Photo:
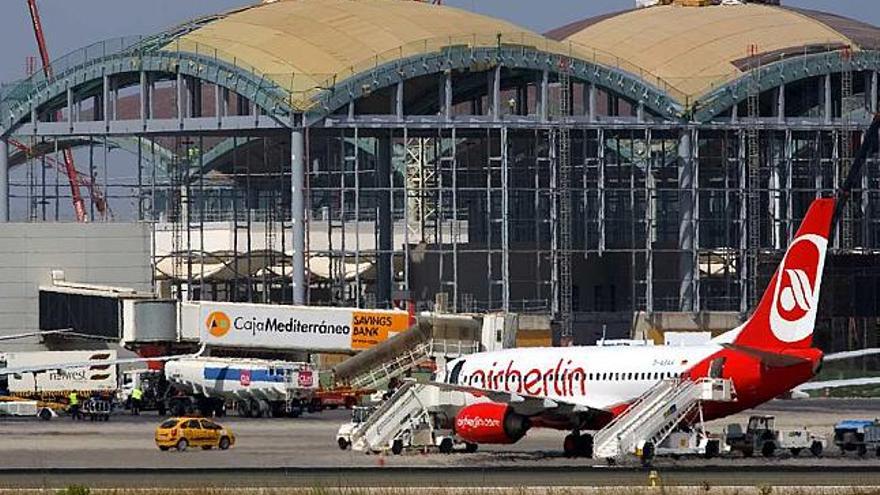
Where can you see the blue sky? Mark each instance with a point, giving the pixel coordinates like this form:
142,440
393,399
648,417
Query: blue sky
71,24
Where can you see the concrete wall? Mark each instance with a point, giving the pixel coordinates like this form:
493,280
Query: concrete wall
116,254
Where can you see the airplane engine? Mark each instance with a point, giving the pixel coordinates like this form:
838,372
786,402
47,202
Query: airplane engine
488,423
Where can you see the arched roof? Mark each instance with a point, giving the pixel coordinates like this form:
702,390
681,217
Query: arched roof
698,49
304,45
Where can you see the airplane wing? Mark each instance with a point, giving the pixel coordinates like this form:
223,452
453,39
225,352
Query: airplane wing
852,382
85,364
33,334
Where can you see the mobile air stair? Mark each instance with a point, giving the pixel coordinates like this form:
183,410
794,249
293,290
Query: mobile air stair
656,414
411,409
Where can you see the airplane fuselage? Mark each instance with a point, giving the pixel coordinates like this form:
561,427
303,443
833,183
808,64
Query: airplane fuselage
610,378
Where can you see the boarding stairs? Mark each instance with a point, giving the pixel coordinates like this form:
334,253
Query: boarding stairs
657,413
409,359
407,409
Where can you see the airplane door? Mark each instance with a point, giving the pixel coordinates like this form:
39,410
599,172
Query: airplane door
452,379
716,367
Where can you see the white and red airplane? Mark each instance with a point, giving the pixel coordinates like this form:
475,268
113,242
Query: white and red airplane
582,389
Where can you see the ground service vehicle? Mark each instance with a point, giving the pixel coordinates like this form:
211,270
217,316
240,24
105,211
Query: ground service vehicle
182,433
26,408
872,438
99,376
359,415
849,435
762,437
694,442
258,388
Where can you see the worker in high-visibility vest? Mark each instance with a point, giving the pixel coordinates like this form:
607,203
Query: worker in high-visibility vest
136,396
73,405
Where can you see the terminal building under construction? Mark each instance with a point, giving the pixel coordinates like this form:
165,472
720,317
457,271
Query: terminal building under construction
644,169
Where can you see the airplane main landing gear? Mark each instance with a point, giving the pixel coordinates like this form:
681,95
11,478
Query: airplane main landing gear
577,445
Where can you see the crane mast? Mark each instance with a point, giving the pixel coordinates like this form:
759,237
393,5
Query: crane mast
78,203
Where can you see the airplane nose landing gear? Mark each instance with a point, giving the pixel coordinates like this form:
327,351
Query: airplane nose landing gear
577,445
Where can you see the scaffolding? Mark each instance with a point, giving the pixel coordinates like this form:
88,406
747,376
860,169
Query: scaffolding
500,186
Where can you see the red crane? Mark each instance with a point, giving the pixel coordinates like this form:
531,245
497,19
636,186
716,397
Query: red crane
69,168
81,178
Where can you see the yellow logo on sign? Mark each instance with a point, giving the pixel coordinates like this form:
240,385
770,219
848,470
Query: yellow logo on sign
218,324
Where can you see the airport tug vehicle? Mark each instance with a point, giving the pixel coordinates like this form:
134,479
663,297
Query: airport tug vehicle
761,436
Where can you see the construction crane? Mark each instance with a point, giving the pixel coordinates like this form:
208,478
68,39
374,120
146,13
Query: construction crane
69,168
81,178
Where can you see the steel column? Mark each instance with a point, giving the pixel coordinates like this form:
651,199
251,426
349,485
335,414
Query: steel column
496,93
105,101
447,95
686,221
398,101
874,90
828,112
543,112
143,98
593,100
70,109
384,222
505,223
780,103
743,224
4,181
297,215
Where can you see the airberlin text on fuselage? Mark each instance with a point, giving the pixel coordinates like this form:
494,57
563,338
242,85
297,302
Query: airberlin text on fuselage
292,325
562,381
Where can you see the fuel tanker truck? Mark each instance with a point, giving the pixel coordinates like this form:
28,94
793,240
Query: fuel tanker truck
254,387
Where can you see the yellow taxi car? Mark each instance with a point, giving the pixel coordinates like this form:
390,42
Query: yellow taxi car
182,433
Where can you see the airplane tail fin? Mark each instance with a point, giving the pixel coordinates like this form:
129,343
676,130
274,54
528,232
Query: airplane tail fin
786,315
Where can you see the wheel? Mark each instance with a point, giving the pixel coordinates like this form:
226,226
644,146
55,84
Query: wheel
106,417
161,409
45,414
446,446
816,449
647,454
877,453
748,452
256,409
470,448
163,449
182,445
343,443
397,447
244,409
768,449
570,445
862,450
178,409
224,443
713,449
585,446
795,452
